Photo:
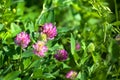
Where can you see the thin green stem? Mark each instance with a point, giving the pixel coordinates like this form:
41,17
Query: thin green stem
116,11
20,53
20,67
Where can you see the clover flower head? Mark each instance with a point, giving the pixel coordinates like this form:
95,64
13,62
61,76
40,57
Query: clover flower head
61,55
50,30
22,39
71,75
40,48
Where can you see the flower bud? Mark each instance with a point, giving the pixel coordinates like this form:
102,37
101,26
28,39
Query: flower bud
61,55
77,46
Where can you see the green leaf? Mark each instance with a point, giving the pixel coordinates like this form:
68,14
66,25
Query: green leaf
50,16
30,26
1,26
72,45
12,75
91,47
83,76
48,75
15,29
117,23
56,72
96,57
93,21
20,8
37,73
55,47
78,76
5,35
42,18
27,53
16,56
75,55
63,29
65,66
9,67
100,73
17,79
26,63
1,58
35,63
84,59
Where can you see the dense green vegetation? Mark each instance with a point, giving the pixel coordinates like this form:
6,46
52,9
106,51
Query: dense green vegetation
92,24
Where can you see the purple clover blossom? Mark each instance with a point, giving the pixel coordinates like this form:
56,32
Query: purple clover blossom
40,48
50,30
71,75
61,55
77,46
22,39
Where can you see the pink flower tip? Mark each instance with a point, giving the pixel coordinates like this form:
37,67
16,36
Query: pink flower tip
22,39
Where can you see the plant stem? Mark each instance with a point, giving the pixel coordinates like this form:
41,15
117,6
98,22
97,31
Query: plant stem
20,67
116,12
